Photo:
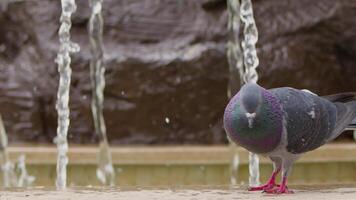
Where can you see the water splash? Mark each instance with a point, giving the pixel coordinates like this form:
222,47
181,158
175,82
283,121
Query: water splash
249,73
105,171
23,178
251,63
7,167
254,169
244,62
234,52
12,175
234,164
235,59
4,5
249,42
63,60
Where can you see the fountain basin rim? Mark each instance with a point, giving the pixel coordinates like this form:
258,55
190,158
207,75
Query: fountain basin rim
175,155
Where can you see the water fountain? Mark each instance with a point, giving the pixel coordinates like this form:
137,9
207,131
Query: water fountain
23,178
63,60
13,175
7,167
4,4
251,63
234,55
234,52
234,164
105,171
244,62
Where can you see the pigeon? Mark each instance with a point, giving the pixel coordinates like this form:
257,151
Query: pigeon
283,123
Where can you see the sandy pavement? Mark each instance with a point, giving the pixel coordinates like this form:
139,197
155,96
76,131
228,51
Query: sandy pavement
173,194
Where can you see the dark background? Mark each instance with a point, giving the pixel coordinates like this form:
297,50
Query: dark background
165,59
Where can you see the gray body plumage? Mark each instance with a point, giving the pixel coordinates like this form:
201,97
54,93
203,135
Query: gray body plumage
312,121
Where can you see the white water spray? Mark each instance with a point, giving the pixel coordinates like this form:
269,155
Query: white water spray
234,163
251,63
9,177
105,171
63,60
23,178
234,52
249,43
244,62
235,59
16,176
4,4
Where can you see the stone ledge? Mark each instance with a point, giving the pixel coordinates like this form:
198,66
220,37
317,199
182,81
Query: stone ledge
166,155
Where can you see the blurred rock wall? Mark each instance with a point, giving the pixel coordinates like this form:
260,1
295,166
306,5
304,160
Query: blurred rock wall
167,72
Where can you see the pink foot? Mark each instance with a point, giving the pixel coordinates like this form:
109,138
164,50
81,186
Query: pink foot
268,186
280,190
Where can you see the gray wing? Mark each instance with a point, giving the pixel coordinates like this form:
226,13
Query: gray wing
353,124
311,120
341,97
346,107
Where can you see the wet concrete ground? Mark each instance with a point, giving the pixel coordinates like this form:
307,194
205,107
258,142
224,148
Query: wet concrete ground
201,193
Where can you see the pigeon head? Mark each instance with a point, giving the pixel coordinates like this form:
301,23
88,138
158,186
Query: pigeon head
251,100
251,95
253,119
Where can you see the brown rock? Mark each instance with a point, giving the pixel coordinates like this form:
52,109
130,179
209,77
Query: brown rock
166,65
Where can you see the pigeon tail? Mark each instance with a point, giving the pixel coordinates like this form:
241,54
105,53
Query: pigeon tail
341,97
346,115
353,122
350,99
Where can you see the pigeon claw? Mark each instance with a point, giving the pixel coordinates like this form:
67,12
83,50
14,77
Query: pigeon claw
268,186
279,190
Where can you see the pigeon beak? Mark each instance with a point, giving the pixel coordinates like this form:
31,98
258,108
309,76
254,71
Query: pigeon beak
250,118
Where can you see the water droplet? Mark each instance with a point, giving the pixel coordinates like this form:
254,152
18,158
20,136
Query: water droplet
2,47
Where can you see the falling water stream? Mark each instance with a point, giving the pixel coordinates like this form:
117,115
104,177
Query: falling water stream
244,62
235,59
63,60
4,5
105,171
249,42
13,175
7,167
251,63
23,178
